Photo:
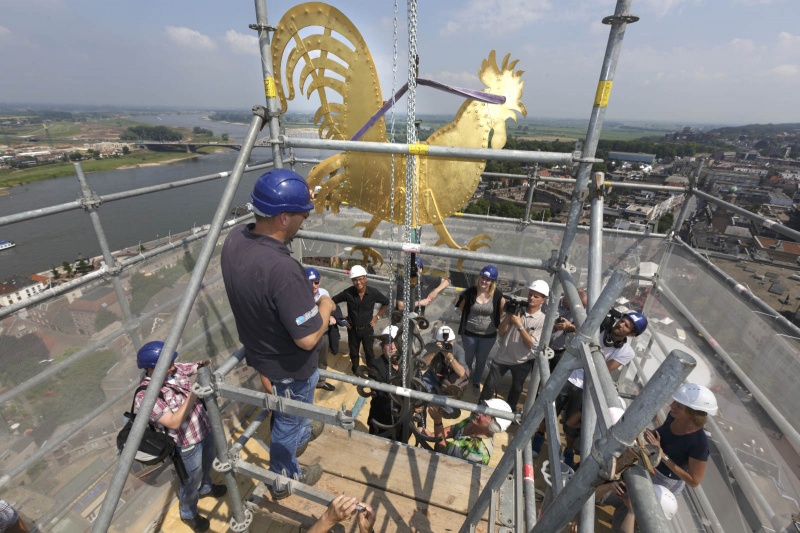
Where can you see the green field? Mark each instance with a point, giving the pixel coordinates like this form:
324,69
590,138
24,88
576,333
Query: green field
9,178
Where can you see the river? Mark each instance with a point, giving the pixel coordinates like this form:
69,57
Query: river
48,241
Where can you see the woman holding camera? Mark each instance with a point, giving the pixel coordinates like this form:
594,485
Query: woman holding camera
481,307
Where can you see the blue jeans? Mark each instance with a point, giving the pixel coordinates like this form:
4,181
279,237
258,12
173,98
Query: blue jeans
477,349
198,460
289,431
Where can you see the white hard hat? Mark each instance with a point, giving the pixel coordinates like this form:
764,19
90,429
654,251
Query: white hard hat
357,271
317,189
697,397
391,331
540,286
500,405
667,500
440,334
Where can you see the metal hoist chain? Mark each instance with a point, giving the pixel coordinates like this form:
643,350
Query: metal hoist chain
411,166
393,236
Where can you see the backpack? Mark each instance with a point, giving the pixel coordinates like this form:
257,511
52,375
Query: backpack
156,445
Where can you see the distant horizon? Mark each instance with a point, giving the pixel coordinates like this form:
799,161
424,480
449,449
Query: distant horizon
96,108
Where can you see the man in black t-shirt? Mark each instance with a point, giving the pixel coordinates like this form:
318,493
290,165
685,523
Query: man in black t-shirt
424,289
361,301
277,320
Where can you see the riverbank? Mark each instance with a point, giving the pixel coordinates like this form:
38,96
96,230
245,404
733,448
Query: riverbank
140,158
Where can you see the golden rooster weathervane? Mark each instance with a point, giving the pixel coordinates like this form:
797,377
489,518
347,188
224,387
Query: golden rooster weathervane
364,180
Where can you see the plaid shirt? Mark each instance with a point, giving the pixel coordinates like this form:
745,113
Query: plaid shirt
175,391
8,516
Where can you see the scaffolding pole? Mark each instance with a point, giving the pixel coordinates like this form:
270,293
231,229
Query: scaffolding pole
597,466
550,390
117,483
90,203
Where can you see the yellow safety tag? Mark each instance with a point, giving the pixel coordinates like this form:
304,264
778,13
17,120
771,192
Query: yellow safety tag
269,87
603,92
418,149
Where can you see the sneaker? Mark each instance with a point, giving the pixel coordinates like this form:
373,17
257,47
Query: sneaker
538,442
217,491
309,476
326,386
198,523
316,431
476,389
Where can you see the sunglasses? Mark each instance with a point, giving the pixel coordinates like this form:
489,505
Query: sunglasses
316,282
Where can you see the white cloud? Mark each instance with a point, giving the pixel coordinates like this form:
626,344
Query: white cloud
241,43
787,40
743,45
189,38
787,72
496,17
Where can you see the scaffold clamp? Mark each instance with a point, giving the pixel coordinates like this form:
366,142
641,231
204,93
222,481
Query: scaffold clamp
201,391
219,466
243,525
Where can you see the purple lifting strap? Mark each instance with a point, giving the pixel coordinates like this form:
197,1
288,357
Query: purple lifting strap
469,93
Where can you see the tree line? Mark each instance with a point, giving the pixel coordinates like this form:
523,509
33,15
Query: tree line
151,133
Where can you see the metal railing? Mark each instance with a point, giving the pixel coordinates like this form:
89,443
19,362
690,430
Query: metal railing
599,390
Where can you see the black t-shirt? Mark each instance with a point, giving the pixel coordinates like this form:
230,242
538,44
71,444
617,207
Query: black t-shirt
361,310
424,287
272,302
680,448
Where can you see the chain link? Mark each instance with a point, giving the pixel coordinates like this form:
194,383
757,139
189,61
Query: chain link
411,168
393,235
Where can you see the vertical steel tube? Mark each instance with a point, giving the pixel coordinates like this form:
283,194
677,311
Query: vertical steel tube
531,190
648,511
659,389
270,88
106,512
596,239
616,34
529,487
221,444
90,203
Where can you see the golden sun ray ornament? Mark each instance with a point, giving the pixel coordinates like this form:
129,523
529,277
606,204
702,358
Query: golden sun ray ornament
337,66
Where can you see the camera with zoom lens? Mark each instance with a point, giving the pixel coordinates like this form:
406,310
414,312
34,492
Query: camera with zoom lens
515,306
447,346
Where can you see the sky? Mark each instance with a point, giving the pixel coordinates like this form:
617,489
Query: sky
685,61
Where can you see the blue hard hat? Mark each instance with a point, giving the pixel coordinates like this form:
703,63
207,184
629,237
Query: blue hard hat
490,272
419,263
313,274
281,191
639,321
147,357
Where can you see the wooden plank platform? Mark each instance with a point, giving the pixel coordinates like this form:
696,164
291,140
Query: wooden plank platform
411,489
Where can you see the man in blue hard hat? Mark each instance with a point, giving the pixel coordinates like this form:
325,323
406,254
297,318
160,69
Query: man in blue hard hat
185,420
330,341
279,324
617,351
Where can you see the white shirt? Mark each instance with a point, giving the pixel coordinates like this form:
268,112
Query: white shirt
624,354
320,292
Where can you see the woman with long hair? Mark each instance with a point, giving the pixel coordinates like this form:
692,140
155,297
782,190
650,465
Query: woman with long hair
481,308
682,438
